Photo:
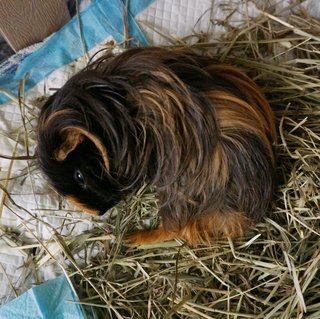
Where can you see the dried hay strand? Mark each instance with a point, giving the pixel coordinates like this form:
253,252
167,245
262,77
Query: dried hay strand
271,273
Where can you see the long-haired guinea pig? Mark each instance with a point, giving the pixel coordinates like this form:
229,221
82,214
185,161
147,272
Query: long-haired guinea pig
202,133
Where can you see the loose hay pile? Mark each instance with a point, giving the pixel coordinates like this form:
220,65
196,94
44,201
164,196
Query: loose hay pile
274,271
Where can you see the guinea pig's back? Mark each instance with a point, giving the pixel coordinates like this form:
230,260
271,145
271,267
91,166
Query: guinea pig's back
237,173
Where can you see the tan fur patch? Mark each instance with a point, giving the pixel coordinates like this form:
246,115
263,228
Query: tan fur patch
252,91
212,226
64,113
232,113
82,206
221,166
73,137
146,237
215,225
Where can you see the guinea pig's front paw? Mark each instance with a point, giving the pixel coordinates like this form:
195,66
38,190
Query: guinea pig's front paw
147,237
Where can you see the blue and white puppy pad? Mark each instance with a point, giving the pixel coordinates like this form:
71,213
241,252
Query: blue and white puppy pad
51,300
102,19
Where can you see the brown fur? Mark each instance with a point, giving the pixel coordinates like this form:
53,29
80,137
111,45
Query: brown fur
83,207
202,133
201,231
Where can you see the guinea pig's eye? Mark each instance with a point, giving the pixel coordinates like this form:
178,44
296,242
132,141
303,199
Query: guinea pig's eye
79,177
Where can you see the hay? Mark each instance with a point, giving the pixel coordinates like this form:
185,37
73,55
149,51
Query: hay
271,273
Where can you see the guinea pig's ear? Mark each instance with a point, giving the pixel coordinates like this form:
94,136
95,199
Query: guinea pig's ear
72,137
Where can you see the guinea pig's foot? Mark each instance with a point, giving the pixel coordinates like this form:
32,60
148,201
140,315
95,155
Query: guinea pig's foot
148,237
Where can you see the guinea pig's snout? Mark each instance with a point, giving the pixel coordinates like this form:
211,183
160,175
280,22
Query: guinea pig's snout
83,207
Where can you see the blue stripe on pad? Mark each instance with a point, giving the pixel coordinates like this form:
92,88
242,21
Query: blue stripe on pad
102,19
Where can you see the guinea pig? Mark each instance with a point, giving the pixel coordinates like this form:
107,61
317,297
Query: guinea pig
200,132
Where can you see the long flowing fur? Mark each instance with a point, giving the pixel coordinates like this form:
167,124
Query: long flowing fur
201,132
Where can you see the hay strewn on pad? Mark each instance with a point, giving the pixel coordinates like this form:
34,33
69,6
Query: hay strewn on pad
274,271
